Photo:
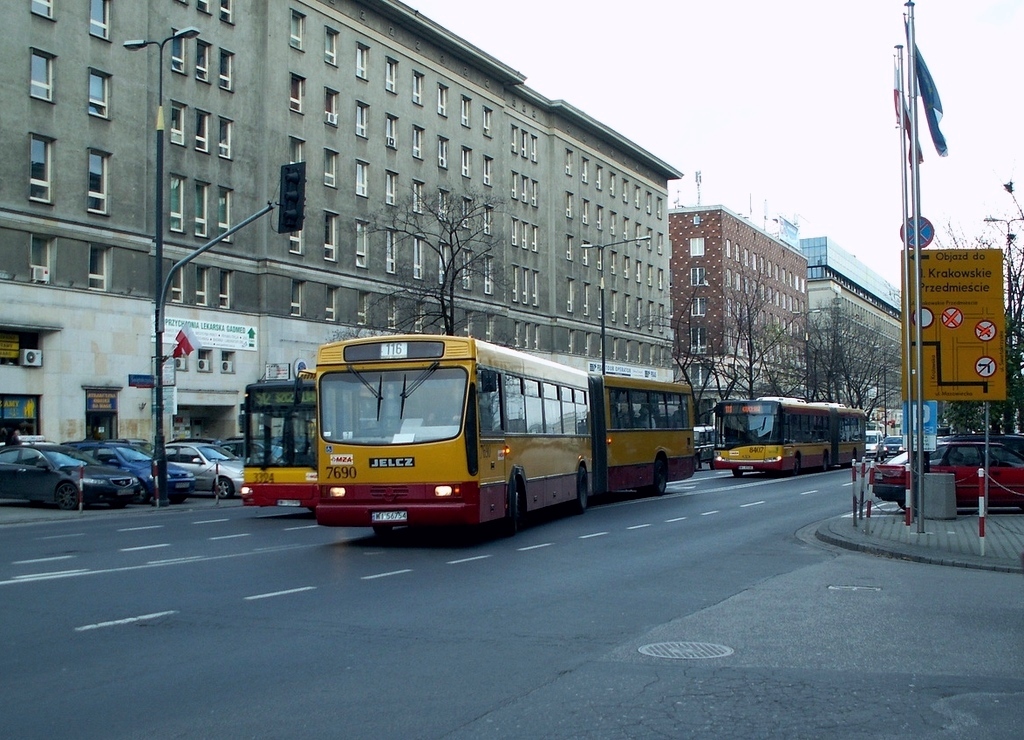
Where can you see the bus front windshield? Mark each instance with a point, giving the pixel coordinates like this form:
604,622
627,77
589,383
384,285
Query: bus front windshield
737,429
392,407
281,431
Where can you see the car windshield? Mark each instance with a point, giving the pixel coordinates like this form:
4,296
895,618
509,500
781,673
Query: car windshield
900,459
216,454
893,440
131,454
68,457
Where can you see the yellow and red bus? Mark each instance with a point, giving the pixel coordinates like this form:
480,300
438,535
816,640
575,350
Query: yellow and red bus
436,430
786,435
279,444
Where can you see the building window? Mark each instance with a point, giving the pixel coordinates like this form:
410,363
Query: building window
362,301
178,287
417,196
390,257
99,93
99,18
362,179
176,215
390,188
417,142
224,138
41,86
330,106
417,258
570,296
296,303
488,121
417,88
488,275
39,251
391,75
202,131
178,55
488,219
442,152
488,171
43,8
98,267
442,100
223,209
698,340
227,362
696,246
331,46
362,61
203,6
295,242
699,307
202,285
227,66
200,210
330,236
97,200
331,307
390,131
298,89
568,205
467,162
330,168
362,118
698,276
362,243
465,111
297,30
202,61
41,156
177,123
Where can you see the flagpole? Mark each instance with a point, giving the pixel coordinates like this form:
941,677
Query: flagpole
908,365
915,179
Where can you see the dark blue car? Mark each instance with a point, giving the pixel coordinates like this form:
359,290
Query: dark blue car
180,482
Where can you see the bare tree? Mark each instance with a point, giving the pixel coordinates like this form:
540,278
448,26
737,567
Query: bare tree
441,251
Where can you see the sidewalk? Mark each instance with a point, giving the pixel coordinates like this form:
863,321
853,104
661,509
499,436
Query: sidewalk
21,512
943,541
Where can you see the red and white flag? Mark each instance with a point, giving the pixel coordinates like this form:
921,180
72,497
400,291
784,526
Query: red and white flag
186,342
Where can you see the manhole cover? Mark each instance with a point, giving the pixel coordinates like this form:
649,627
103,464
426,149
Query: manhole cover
686,650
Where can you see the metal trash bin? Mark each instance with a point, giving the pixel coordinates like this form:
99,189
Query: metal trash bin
939,496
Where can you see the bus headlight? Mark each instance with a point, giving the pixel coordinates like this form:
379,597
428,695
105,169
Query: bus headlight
246,490
443,491
336,492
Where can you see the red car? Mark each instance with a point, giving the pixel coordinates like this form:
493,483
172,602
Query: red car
962,459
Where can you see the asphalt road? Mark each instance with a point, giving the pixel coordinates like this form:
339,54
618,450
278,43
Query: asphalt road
704,613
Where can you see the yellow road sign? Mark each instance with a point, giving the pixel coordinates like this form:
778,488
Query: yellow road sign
963,345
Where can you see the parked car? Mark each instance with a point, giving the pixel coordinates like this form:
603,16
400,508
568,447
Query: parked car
962,459
1014,441
889,447
180,482
49,473
215,469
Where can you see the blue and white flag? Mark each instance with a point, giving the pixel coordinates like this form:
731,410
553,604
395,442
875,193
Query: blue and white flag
932,104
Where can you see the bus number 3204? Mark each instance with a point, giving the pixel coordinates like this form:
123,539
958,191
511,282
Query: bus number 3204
341,472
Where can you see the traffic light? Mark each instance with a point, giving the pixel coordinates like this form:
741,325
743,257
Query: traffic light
292,207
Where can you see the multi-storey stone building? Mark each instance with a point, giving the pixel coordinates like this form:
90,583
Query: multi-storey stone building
380,102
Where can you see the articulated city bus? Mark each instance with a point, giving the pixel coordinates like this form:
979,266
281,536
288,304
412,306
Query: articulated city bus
437,430
786,435
279,444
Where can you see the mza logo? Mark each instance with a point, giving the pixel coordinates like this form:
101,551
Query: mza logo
392,462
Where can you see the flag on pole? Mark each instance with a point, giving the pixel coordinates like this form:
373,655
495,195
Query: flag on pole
901,105
186,342
932,104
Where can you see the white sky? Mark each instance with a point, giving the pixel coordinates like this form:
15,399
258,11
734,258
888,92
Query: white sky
786,103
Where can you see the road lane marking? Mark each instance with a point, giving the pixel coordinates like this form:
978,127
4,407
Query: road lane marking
752,503
43,560
211,521
168,561
47,576
385,575
139,529
638,526
804,493
280,593
127,620
534,547
62,536
229,536
467,560
308,526
145,547
595,534
709,513
677,519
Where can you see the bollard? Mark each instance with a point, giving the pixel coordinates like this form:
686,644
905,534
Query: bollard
81,488
156,486
216,483
981,509
907,515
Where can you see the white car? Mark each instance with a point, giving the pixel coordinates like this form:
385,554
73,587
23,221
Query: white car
216,470
871,440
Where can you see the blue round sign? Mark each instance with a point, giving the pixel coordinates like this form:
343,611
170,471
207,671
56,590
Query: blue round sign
921,233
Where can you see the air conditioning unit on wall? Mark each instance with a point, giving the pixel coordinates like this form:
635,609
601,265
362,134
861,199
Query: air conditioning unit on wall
40,274
203,366
31,358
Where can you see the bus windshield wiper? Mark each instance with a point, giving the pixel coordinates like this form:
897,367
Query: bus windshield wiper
377,392
407,392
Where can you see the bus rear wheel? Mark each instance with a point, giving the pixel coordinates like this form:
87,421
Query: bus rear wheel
796,465
581,491
660,478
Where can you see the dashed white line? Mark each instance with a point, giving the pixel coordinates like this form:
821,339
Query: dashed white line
804,493
52,574
638,526
595,534
62,536
752,503
145,547
385,575
230,536
534,547
43,560
280,593
709,513
139,529
677,519
210,521
119,622
467,560
307,526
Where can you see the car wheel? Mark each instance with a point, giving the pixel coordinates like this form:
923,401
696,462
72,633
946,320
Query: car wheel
225,488
66,496
581,491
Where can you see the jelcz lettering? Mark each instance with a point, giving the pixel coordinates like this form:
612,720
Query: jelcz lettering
392,462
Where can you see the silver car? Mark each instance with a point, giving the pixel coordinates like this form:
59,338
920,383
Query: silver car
216,470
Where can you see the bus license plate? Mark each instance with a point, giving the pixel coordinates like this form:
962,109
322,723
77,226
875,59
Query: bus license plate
388,516
746,467
287,502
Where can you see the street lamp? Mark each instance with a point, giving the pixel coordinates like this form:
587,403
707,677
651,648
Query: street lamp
159,452
600,248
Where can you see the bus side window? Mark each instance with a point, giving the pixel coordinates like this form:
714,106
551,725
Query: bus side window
515,404
488,403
